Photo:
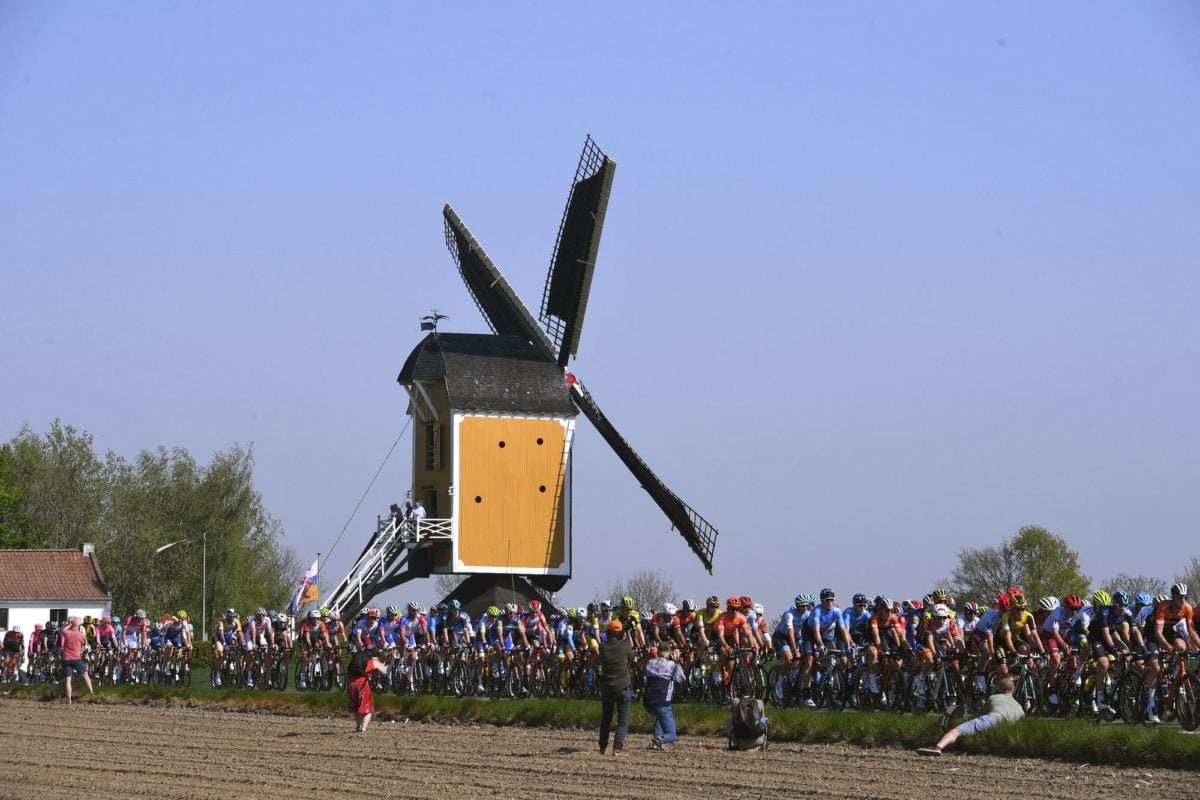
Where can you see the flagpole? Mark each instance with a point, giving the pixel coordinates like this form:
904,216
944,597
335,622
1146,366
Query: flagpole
318,579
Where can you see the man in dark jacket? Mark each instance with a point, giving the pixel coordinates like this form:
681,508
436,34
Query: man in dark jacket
616,691
662,673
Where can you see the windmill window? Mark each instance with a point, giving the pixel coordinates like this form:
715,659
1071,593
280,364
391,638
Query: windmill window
541,488
502,443
433,447
541,441
478,499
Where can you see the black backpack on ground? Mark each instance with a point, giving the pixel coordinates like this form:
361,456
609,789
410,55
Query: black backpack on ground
748,723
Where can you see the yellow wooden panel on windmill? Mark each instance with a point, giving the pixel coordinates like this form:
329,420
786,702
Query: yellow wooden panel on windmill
510,493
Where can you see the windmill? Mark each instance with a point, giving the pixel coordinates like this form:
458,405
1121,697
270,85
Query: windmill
494,423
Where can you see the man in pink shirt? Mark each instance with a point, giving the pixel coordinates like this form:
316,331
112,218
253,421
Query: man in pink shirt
73,641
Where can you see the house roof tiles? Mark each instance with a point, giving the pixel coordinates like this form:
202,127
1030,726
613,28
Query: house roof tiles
50,575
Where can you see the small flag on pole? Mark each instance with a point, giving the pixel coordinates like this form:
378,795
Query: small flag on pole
307,592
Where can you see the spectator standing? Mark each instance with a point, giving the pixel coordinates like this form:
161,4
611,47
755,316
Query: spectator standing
358,689
616,690
662,673
1001,707
418,511
73,642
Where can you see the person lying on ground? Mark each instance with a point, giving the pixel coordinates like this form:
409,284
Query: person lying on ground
1001,707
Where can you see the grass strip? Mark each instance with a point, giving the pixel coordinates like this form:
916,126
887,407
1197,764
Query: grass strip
1067,740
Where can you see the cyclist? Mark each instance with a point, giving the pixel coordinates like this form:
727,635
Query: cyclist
366,631
137,635
537,628
413,630
857,620
731,631
828,630
282,630
631,621
175,636
227,633
1052,630
708,617
334,627
14,650
884,632
1107,634
1162,632
784,638
747,609
1018,633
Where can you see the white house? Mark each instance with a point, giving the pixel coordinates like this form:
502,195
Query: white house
41,585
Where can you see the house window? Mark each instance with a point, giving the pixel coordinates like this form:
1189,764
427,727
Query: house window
431,502
4,618
58,616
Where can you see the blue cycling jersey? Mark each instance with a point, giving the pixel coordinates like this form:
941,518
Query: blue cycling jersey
825,622
858,624
789,621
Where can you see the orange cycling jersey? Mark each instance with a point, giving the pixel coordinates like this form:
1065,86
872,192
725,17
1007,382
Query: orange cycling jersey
1164,613
885,622
683,619
732,622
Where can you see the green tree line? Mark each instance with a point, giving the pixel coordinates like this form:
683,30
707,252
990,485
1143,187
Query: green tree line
57,492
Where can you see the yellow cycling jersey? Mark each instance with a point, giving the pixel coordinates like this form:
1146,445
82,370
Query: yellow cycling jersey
709,618
1015,620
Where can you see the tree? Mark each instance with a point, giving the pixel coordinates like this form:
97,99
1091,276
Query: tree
15,528
1132,584
1036,560
649,589
61,484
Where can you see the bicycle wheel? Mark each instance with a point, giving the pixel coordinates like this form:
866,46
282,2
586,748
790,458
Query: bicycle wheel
1131,698
1187,702
950,690
1027,693
891,696
835,690
514,683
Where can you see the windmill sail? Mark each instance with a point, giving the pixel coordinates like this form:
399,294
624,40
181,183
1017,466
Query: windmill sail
564,300
499,304
699,534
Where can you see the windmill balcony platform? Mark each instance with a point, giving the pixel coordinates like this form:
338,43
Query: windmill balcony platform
415,532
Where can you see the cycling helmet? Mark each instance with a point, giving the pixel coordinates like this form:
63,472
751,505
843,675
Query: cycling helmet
182,614
605,605
106,619
827,594
324,611
908,606
918,605
1101,598
627,602
158,626
1161,598
87,619
16,628
230,612
394,610
669,609
592,608
535,605
808,599
493,611
688,605
713,601
860,599
510,608
971,606
1018,600
140,613
882,600
746,602
1143,598
927,600
314,615
174,618
799,601
260,611
583,612
456,605
572,612
37,626
758,609
733,602
1180,589
273,613
1073,602
372,613
1048,603
417,607
940,595
443,608
1120,598
940,611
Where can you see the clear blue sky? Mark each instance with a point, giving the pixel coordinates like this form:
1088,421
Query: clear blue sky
878,281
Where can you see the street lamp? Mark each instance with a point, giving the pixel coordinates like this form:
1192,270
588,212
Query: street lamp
203,578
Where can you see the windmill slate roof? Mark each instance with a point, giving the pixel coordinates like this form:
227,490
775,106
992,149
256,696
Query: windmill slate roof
50,575
484,372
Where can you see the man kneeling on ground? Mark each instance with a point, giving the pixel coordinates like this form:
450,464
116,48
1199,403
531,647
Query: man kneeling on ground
1001,707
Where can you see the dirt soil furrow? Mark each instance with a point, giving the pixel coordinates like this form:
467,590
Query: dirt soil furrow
105,750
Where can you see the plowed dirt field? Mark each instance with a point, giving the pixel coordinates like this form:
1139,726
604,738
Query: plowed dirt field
100,750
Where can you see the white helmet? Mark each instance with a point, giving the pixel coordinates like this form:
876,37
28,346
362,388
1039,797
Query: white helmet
940,611
1048,603
758,609
510,608
669,609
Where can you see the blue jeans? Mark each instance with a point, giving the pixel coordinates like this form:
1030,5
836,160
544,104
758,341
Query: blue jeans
664,723
619,702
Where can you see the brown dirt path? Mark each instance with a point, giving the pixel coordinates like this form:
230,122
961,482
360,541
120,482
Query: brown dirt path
98,750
